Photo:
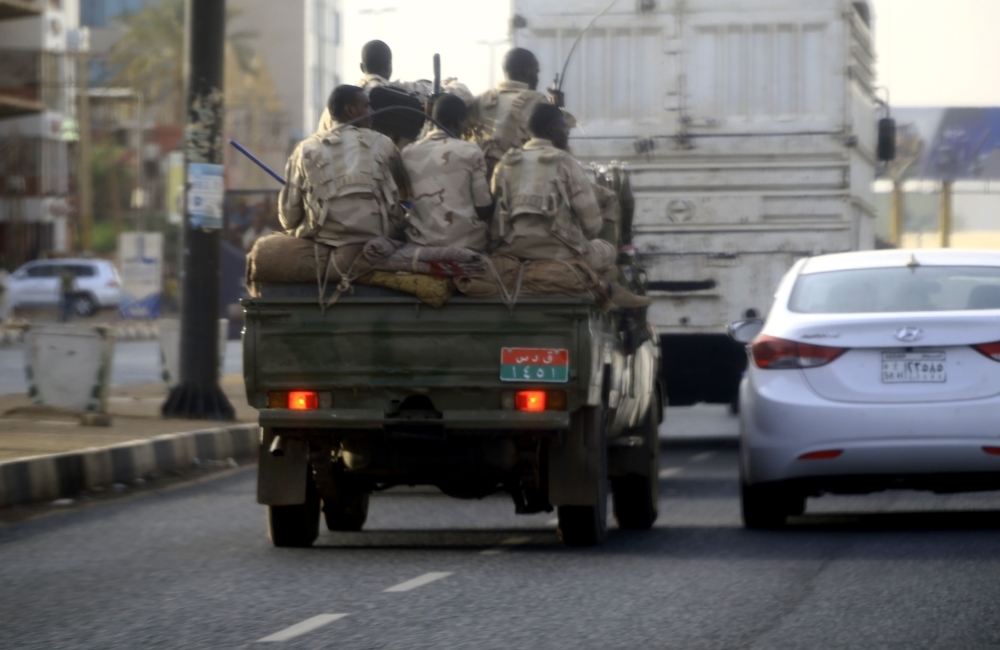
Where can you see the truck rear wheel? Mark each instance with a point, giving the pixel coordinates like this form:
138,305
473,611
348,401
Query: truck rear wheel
588,525
349,511
636,496
295,526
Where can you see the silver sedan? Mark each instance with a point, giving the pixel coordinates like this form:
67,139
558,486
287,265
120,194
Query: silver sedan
874,370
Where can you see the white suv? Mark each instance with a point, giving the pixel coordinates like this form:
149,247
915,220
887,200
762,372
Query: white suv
36,284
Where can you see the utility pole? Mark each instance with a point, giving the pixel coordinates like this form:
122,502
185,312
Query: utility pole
945,215
198,395
84,178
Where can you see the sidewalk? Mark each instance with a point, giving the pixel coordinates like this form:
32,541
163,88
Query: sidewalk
46,454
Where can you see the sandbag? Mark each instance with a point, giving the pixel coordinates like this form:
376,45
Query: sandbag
532,278
432,291
281,258
386,254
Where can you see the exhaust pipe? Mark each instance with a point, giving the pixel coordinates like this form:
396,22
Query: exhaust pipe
278,447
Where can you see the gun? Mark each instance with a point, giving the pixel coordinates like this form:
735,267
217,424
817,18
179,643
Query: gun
437,75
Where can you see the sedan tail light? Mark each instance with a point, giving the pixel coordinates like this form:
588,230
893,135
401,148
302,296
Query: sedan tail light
775,354
991,350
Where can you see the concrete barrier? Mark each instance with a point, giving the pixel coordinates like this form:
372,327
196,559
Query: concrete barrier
55,476
69,366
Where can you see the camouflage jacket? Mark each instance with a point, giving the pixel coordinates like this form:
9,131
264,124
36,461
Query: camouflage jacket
498,119
448,180
343,188
421,89
546,208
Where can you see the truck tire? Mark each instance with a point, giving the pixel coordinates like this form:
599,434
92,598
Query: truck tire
588,525
349,511
768,505
636,496
295,526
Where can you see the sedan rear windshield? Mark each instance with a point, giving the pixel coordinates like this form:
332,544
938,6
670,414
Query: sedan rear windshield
897,289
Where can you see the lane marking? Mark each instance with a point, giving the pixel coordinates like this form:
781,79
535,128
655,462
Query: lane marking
419,581
510,541
669,472
304,627
703,456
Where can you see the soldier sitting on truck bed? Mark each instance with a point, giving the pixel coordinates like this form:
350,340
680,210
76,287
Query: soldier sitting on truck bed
498,119
376,64
546,208
451,197
343,184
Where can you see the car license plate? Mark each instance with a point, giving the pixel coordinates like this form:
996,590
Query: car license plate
913,368
534,365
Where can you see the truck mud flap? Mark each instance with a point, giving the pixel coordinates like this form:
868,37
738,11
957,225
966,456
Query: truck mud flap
575,460
281,480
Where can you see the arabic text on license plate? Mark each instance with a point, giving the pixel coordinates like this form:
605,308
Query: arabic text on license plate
534,365
913,367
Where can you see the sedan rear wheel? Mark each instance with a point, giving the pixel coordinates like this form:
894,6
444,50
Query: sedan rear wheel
768,505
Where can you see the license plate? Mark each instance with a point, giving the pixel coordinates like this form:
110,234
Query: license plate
913,368
534,364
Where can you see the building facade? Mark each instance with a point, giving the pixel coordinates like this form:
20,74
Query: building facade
36,109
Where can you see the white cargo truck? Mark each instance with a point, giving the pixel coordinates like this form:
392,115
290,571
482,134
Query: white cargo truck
750,129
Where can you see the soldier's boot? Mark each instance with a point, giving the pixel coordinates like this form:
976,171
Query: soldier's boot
622,297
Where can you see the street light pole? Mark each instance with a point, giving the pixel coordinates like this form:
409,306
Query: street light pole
198,395
378,13
493,45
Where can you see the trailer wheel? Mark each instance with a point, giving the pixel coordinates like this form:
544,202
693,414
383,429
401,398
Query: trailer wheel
588,525
349,511
295,526
636,496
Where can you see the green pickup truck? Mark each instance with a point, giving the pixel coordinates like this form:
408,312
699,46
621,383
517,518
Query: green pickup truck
548,401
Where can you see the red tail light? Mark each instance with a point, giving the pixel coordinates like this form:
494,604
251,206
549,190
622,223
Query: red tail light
991,350
303,400
826,454
774,353
532,401
113,284
992,451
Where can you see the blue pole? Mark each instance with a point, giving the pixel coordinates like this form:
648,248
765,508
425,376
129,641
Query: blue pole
257,161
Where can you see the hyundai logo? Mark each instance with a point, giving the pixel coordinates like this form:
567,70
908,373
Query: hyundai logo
909,334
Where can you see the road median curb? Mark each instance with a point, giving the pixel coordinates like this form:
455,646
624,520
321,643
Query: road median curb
66,475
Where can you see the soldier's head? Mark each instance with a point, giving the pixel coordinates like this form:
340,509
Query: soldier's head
549,123
376,58
450,111
348,103
521,65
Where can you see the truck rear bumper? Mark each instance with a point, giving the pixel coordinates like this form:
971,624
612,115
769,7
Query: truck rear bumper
451,420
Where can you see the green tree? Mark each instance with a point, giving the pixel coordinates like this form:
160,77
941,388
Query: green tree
150,55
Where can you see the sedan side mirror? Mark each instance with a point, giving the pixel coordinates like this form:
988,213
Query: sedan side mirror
745,331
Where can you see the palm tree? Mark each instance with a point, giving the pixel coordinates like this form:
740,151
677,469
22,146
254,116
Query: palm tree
150,56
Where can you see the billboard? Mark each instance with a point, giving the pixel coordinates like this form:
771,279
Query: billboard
140,261
952,144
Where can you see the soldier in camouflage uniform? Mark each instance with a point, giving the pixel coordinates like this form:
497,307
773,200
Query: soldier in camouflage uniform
376,64
344,184
546,207
498,119
451,198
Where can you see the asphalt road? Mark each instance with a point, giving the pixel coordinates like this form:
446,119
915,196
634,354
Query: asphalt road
191,568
